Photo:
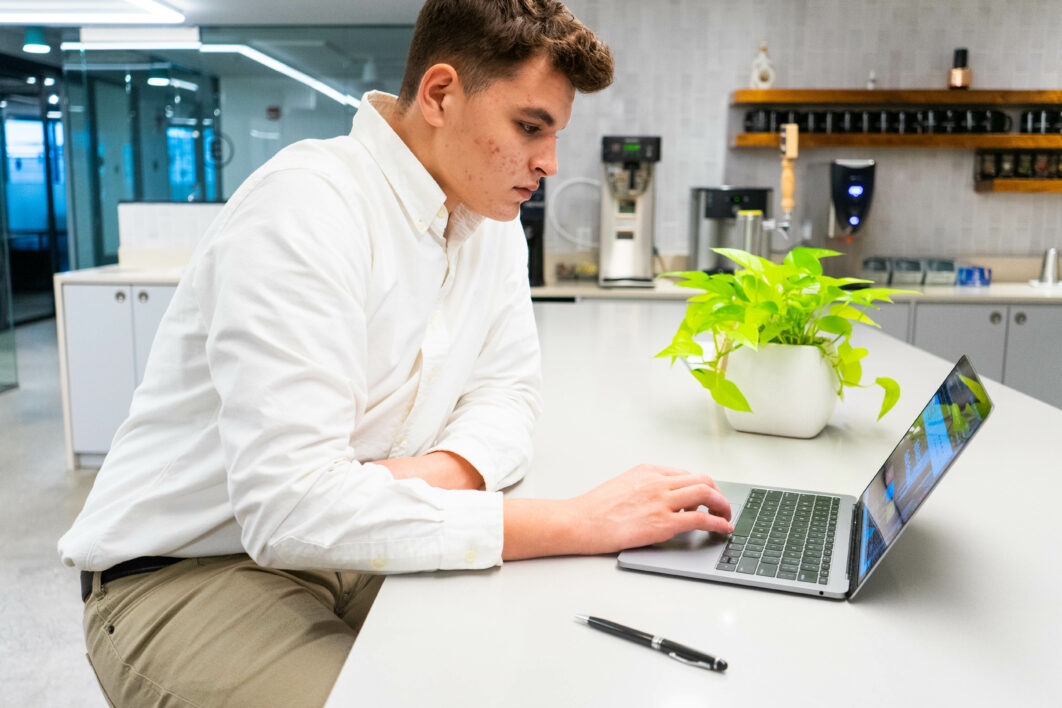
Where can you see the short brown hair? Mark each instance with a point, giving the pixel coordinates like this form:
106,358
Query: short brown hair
485,40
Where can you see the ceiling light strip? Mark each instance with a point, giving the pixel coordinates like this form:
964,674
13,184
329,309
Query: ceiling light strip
242,49
152,12
127,46
282,68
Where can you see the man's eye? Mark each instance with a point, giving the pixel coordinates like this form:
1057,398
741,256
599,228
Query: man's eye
528,128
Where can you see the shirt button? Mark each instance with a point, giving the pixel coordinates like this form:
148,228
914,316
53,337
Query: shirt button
470,556
421,225
441,213
378,564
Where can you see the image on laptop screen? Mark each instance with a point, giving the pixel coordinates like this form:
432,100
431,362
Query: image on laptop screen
916,465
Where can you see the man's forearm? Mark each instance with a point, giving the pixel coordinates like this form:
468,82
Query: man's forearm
539,527
645,505
443,469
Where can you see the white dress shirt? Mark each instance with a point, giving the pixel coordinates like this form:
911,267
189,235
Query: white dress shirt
332,315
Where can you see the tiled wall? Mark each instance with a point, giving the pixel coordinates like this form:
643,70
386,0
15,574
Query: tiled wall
677,61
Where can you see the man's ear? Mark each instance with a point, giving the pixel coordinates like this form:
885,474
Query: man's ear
438,88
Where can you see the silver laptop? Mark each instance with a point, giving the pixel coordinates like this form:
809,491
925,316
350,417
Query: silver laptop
824,544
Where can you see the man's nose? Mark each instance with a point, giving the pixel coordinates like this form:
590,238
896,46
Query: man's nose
544,161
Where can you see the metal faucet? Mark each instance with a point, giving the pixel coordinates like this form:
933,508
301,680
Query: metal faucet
789,142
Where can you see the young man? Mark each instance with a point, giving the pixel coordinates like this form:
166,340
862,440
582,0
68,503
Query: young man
347,375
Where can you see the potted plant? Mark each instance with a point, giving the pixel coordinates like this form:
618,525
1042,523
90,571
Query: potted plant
778,337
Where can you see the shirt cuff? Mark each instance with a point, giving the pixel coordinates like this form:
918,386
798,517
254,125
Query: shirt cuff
474,532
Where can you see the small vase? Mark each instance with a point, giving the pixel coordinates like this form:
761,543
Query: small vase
791,389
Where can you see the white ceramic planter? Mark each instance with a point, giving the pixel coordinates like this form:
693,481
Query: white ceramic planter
791,389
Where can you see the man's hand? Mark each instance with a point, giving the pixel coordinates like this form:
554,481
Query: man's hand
644,505
442,469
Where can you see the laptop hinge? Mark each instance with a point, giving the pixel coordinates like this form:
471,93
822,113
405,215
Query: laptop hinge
853,549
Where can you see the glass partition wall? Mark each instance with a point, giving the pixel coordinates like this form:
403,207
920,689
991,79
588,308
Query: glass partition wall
33,242
175,125
32,188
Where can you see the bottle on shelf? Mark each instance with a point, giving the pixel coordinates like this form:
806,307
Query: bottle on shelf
762,70
960,75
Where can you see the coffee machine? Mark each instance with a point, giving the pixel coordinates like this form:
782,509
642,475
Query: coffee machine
713,221
533,219
838,195
627,201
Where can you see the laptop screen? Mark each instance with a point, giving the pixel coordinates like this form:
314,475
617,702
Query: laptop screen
924,454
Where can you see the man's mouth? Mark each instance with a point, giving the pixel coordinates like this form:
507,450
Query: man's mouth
527,191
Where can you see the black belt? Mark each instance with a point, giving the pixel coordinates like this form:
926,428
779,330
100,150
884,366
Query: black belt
143,564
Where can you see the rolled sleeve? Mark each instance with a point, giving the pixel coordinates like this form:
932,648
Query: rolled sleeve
492,424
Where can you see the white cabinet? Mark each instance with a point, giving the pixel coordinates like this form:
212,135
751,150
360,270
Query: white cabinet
149,305
894,319
1033,362
1018,344
951,330
107,330
100,362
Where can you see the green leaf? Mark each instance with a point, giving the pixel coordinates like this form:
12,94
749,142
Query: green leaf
808,258
723,391
731,312
727,394
743,258
770,332
835,325
892,394
850,371
683,348
852,281
699,317
850,313
848,366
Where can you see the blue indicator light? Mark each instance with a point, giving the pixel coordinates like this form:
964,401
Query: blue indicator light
855,190
853,220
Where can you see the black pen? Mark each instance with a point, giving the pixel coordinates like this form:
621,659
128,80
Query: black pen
676,651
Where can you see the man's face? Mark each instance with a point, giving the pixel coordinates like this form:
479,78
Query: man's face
502,140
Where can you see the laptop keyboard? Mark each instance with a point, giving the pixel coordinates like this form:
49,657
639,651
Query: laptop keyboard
783,535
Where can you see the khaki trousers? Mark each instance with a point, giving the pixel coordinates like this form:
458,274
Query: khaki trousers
222,631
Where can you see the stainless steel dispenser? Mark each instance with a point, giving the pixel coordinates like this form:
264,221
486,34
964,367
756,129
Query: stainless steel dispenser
627,202
713,220
838,195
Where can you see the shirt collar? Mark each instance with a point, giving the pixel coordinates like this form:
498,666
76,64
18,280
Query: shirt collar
422,197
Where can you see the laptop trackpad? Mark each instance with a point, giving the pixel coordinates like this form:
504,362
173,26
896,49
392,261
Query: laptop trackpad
695,540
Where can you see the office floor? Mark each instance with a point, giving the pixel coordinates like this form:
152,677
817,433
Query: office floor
42,655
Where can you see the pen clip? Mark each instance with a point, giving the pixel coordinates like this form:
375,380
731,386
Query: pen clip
689,662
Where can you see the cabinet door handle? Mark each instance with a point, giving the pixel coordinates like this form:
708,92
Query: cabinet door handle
143,296
119,296
1020,318
995,318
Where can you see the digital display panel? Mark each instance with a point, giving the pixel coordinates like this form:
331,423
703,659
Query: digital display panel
928,448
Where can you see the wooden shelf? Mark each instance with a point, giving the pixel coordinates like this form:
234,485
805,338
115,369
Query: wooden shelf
954,97
1031,186
993,141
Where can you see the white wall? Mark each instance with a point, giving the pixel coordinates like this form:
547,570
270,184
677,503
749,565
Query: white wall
677,62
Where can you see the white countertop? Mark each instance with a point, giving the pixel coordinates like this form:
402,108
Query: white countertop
962,610
666,290
111,274
662,290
